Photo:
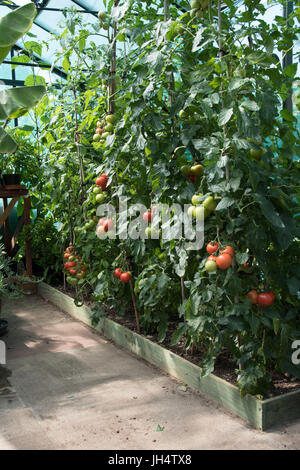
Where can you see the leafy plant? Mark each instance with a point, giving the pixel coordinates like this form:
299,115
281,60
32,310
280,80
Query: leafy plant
8,289
185,90
15,102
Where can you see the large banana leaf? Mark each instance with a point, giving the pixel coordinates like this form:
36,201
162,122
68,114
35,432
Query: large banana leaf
13,26
7,143
16,102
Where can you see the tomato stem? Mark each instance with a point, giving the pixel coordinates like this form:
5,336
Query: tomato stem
134,307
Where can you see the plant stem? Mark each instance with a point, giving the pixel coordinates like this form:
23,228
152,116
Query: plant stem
134,307
77,143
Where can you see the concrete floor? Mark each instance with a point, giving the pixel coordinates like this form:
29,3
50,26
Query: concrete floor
70,388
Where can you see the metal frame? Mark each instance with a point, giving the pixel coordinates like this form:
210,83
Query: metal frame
39,60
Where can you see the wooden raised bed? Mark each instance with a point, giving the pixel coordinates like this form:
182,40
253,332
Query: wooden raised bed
262,414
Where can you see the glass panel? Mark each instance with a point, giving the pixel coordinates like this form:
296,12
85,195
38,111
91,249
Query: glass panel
92,5
53,19
5,70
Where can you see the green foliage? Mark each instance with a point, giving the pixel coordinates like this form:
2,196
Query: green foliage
45,247
17,101
217,94
8,289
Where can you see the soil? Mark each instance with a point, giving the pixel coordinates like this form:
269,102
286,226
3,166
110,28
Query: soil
225,365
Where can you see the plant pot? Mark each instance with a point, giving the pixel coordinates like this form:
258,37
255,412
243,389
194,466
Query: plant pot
11,180
28,288
25,287
3,327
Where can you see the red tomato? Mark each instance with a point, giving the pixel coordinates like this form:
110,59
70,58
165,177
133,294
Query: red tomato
212,258
246,265
67,255
192,178
102,184
108,225
102,180
73,271
125,277
80,275
99,130
228,250
265,299
224,261
70,264
83,267
253,296
117,273
147,216
212,247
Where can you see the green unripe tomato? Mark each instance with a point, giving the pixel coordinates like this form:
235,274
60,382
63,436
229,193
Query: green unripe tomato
105,135
190,212
197,170
210,204
199,212
96,190
102,15
151,232
100,197
96,137
182,114
109,127
211,266
91,224
110,118
185,170
196,199
196,4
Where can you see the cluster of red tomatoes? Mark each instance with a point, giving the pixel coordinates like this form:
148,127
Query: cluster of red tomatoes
221,261
124,277
101,181
264,299
74,266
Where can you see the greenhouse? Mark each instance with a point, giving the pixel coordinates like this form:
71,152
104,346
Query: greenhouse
149,227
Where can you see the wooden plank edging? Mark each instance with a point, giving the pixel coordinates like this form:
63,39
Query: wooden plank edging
262,414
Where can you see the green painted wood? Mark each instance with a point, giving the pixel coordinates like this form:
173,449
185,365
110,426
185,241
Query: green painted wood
65,303
281,409
261,414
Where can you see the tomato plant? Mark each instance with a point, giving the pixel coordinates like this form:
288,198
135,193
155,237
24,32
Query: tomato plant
192,109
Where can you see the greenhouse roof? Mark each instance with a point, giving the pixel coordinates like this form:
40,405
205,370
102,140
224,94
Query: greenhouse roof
46,30
47,24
